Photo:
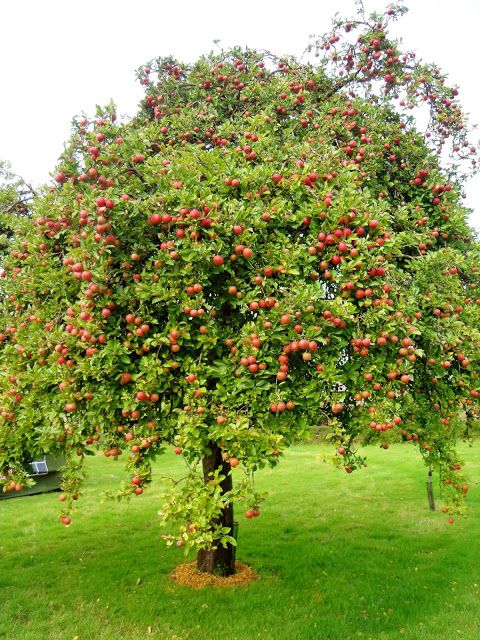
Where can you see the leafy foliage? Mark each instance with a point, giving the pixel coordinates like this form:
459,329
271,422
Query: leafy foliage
267,246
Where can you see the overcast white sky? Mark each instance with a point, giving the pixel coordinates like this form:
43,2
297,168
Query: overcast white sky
59,58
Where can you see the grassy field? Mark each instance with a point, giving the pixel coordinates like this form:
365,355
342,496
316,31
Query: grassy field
339,556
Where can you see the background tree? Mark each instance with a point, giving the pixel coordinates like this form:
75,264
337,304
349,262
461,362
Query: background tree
267,246
15,196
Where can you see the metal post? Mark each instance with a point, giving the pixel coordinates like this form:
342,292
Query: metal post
431,499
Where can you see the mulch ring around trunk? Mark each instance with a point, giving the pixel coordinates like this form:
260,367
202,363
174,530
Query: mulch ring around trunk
187,574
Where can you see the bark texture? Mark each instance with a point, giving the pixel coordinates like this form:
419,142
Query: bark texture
219,561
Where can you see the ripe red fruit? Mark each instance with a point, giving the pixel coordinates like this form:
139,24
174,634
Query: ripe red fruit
276,177
155,218
138,158
178,450
125,378
217,260
234,462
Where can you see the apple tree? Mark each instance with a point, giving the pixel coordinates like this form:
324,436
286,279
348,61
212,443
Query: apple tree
267,246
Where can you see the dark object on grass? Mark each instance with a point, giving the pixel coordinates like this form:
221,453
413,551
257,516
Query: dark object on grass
431,499
47,476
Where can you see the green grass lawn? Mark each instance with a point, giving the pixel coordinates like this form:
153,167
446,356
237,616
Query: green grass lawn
339,556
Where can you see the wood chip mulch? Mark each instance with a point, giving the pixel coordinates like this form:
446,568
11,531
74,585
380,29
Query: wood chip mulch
188,575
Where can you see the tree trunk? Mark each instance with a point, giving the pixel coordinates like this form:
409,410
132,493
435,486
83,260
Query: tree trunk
219,561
